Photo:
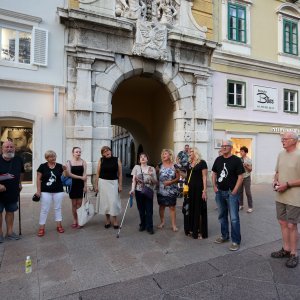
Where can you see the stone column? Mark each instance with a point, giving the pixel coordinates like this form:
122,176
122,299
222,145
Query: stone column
201,114
102,129
80,108
183,124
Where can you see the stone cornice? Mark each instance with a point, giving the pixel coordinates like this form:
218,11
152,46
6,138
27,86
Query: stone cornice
22,85
84,52
177,36
99,19
236,121
13,16
248,63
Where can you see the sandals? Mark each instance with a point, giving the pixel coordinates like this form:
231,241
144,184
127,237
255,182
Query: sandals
175,229
161,226
41,232
292,261
60,229
74,225
281,254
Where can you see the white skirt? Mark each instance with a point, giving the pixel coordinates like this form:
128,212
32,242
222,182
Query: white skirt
108,199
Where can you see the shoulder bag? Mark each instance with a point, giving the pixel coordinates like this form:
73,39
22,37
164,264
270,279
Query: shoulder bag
146,191
66,180
85,212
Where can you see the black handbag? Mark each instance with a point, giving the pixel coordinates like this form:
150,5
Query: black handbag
36,198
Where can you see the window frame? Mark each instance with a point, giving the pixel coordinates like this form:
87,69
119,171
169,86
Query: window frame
243,94
290,22
237,7
296,104
17,31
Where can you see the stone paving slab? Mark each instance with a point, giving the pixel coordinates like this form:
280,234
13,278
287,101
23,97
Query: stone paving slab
79,263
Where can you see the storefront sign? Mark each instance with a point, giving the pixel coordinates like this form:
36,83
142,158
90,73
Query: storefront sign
282,130
265,98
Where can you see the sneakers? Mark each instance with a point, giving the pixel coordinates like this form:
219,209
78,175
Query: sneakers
13,236
281,254
250,210
221,240
1,238
292,261
241,207
234,247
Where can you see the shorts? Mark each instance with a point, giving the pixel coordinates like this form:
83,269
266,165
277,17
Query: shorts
8,206
288,213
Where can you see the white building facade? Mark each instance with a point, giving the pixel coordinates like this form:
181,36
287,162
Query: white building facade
32,80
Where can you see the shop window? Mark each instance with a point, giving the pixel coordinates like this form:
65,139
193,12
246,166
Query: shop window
237,23
290,101
290,37
240,142
21,136
236,94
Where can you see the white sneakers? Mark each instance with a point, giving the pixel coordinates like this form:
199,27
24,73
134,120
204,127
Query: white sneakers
250,210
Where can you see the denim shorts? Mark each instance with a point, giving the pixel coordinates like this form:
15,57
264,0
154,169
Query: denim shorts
8,206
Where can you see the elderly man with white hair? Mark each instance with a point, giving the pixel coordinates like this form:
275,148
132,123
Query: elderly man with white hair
287,184
11,175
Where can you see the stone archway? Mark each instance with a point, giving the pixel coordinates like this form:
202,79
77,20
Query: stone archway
106,50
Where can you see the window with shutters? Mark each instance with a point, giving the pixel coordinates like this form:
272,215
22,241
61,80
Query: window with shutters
22,42
15,45
24,46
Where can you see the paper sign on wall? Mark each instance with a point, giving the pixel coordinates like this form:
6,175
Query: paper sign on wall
265,98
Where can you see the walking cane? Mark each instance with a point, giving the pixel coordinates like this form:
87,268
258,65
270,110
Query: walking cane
20,233
130,200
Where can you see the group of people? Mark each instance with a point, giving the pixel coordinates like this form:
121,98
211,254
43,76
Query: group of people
229,178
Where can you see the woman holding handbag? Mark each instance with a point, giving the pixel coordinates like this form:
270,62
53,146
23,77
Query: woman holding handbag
168,176
50,189
76,169
143,184
195,201
108,185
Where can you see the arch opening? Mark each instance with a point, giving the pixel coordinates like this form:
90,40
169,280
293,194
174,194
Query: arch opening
143,106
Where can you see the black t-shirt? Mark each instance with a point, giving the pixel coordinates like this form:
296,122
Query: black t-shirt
15,167
51,178
227,170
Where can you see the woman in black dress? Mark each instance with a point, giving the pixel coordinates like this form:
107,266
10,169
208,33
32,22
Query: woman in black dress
76,169
195,219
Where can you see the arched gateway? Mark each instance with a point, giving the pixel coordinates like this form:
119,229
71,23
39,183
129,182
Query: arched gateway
115,44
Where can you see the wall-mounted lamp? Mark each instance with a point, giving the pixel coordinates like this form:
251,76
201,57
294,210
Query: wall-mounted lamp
55,101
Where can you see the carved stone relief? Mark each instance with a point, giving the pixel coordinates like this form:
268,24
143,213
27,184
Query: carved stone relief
131,9
151,40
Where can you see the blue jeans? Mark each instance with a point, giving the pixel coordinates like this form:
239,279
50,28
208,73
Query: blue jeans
229,203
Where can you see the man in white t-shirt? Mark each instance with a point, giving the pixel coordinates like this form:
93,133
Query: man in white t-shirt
246,184
287,184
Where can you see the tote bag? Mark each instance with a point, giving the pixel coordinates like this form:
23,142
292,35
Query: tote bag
85,212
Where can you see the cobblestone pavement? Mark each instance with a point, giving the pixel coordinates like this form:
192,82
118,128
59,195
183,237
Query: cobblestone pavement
91,263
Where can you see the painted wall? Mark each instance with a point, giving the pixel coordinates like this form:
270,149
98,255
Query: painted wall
222,111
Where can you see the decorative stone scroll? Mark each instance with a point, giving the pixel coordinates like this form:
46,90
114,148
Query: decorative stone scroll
151,40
